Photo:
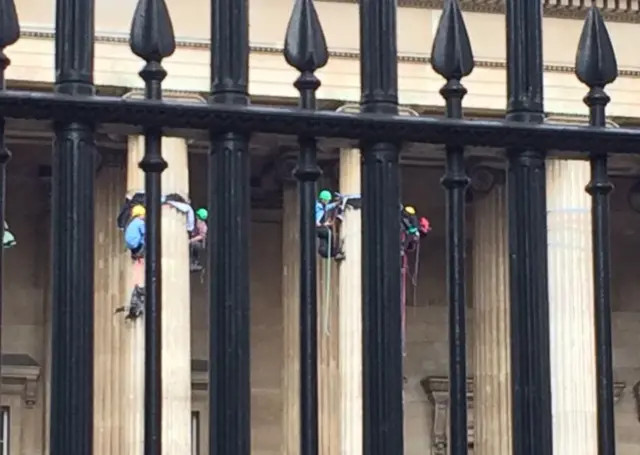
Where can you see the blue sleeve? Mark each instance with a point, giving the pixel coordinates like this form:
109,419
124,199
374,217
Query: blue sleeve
319,212
331,206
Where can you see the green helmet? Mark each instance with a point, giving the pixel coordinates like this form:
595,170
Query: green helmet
325,196
202,213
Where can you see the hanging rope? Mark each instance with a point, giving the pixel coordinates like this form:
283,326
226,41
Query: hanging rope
403,300
414,277
327,287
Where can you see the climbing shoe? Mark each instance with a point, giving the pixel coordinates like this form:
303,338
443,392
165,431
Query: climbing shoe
340,256
196,267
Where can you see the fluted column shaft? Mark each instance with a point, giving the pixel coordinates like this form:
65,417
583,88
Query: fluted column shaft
291,320
110,259
573,377
328,356
132,333
350,310
492,382
176,305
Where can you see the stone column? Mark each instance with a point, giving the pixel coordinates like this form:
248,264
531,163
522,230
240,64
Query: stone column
291,319
176,306
350,310
328,345
492,363
132,332
110,260
573,376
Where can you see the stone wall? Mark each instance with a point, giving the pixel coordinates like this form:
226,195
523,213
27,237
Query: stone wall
25,315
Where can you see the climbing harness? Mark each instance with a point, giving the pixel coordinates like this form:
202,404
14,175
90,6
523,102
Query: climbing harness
335,242
412,230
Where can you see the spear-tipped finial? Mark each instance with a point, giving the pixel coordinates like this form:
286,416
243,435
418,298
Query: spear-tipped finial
596,64
152,37
305,47
451,55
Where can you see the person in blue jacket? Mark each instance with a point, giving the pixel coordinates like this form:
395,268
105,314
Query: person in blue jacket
328,245
134,233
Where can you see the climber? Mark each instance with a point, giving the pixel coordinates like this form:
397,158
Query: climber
198,239
134,239
329,245
173,200
413,228
134,233
9,239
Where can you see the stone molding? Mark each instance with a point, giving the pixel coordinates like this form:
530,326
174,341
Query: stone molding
264,49
20,376
437,390
557,10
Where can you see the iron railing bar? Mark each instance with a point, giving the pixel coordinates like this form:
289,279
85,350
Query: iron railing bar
228,240
72,225
321,124
531,417
597,67
453,66
306,50
382,362
152,39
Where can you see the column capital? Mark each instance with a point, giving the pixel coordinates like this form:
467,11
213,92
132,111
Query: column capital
286,166
110,159
484,178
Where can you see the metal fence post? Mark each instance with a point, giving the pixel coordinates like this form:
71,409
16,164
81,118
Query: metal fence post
526,193
229,300
73,235
383,424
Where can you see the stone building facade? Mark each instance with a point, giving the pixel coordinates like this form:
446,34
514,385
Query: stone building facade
26,317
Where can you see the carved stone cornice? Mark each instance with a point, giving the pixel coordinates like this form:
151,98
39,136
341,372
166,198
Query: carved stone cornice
405,58
437,390
553,8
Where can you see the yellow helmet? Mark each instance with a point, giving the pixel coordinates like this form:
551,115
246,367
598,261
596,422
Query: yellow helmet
138,211
410,210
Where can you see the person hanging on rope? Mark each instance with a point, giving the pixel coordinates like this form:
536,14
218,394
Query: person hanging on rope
197,241
413,228
134,233
134,239
329,244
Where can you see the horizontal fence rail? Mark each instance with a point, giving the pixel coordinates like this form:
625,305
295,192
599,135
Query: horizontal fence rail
290,121
76,111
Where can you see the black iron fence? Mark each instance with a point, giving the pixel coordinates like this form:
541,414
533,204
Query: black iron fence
75,111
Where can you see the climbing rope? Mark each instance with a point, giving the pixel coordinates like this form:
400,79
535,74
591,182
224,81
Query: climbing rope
414,277
327,289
